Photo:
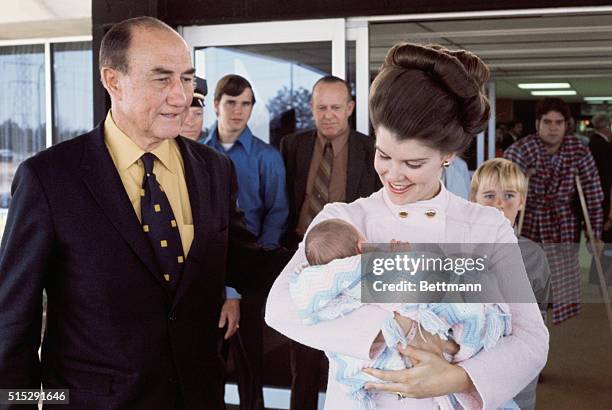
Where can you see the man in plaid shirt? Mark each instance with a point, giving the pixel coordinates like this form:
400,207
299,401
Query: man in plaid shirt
553,214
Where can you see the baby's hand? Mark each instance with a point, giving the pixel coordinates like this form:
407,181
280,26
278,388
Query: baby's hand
434,343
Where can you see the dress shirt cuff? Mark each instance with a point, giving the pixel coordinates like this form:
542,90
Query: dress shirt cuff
270,237
231,293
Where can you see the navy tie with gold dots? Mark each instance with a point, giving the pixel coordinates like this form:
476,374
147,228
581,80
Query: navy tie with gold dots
160,226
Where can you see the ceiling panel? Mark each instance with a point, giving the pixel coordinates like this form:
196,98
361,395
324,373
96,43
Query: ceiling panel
571,48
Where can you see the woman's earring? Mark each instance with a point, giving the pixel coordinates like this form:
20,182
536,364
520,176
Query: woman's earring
446,164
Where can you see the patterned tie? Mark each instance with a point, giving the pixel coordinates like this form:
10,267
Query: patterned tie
320,189
160,225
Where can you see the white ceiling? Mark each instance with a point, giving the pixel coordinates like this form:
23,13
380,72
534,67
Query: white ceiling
560,48
572,48
22,19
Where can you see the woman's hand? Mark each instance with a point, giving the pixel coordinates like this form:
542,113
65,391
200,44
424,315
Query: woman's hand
430,376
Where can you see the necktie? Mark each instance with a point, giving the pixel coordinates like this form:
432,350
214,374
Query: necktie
159,224
319,195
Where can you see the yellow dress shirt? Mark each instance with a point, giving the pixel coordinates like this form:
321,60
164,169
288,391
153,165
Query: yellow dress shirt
168,168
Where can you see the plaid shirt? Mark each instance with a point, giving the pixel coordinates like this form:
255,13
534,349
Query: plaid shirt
553,213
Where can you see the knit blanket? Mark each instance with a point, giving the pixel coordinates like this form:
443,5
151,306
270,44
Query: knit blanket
323,293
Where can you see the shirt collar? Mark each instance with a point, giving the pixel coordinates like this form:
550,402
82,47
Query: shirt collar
245,139
126,152
337,143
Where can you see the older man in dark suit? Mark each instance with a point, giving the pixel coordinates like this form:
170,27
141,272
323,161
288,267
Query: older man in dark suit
329,164
130,230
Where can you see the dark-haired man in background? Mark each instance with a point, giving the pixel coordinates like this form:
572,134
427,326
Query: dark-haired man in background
515,132
130,231
553,158
329,164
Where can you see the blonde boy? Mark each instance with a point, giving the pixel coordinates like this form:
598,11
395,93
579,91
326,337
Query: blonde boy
500,183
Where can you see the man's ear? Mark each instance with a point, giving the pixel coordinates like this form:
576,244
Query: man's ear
351,107
216,106
111,81
537,126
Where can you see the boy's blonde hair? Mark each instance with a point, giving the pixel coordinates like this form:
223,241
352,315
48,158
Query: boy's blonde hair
331,239
499,171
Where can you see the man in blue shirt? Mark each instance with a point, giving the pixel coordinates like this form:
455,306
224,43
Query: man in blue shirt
263,198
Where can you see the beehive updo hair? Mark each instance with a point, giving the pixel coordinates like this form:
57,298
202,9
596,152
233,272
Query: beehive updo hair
432,94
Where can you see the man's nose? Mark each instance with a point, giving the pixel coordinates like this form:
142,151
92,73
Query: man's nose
178,95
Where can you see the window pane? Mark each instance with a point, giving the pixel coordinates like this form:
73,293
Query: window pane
282,76
72,90
22,112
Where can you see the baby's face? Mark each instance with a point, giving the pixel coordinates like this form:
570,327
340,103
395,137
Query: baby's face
507,200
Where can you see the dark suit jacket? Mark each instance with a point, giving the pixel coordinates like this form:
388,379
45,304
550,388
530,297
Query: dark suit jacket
115,336
507,140
602,153
361,178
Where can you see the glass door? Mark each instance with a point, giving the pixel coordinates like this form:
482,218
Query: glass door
282,60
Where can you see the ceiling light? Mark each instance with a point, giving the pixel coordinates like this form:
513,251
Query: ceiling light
553,92
543,86
598,98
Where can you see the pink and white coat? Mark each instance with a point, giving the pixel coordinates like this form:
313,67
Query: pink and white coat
497,374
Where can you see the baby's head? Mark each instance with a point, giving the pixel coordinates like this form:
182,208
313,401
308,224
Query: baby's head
332,239
500,183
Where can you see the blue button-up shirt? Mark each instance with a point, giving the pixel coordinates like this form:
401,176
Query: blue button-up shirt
262,193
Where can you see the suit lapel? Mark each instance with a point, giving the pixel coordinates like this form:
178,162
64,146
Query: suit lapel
103,181
305,148
354,167
197,180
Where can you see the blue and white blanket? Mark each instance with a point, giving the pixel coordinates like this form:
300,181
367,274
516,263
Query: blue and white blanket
327,292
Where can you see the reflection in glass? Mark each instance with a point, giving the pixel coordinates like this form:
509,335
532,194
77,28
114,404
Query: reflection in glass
282,76
72,90
22,112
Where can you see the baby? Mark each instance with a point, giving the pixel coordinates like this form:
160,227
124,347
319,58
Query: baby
324,293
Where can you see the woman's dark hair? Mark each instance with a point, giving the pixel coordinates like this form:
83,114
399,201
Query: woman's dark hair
431,94
547,105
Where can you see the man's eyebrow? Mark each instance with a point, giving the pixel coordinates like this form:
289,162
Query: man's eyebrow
165,71
161,70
